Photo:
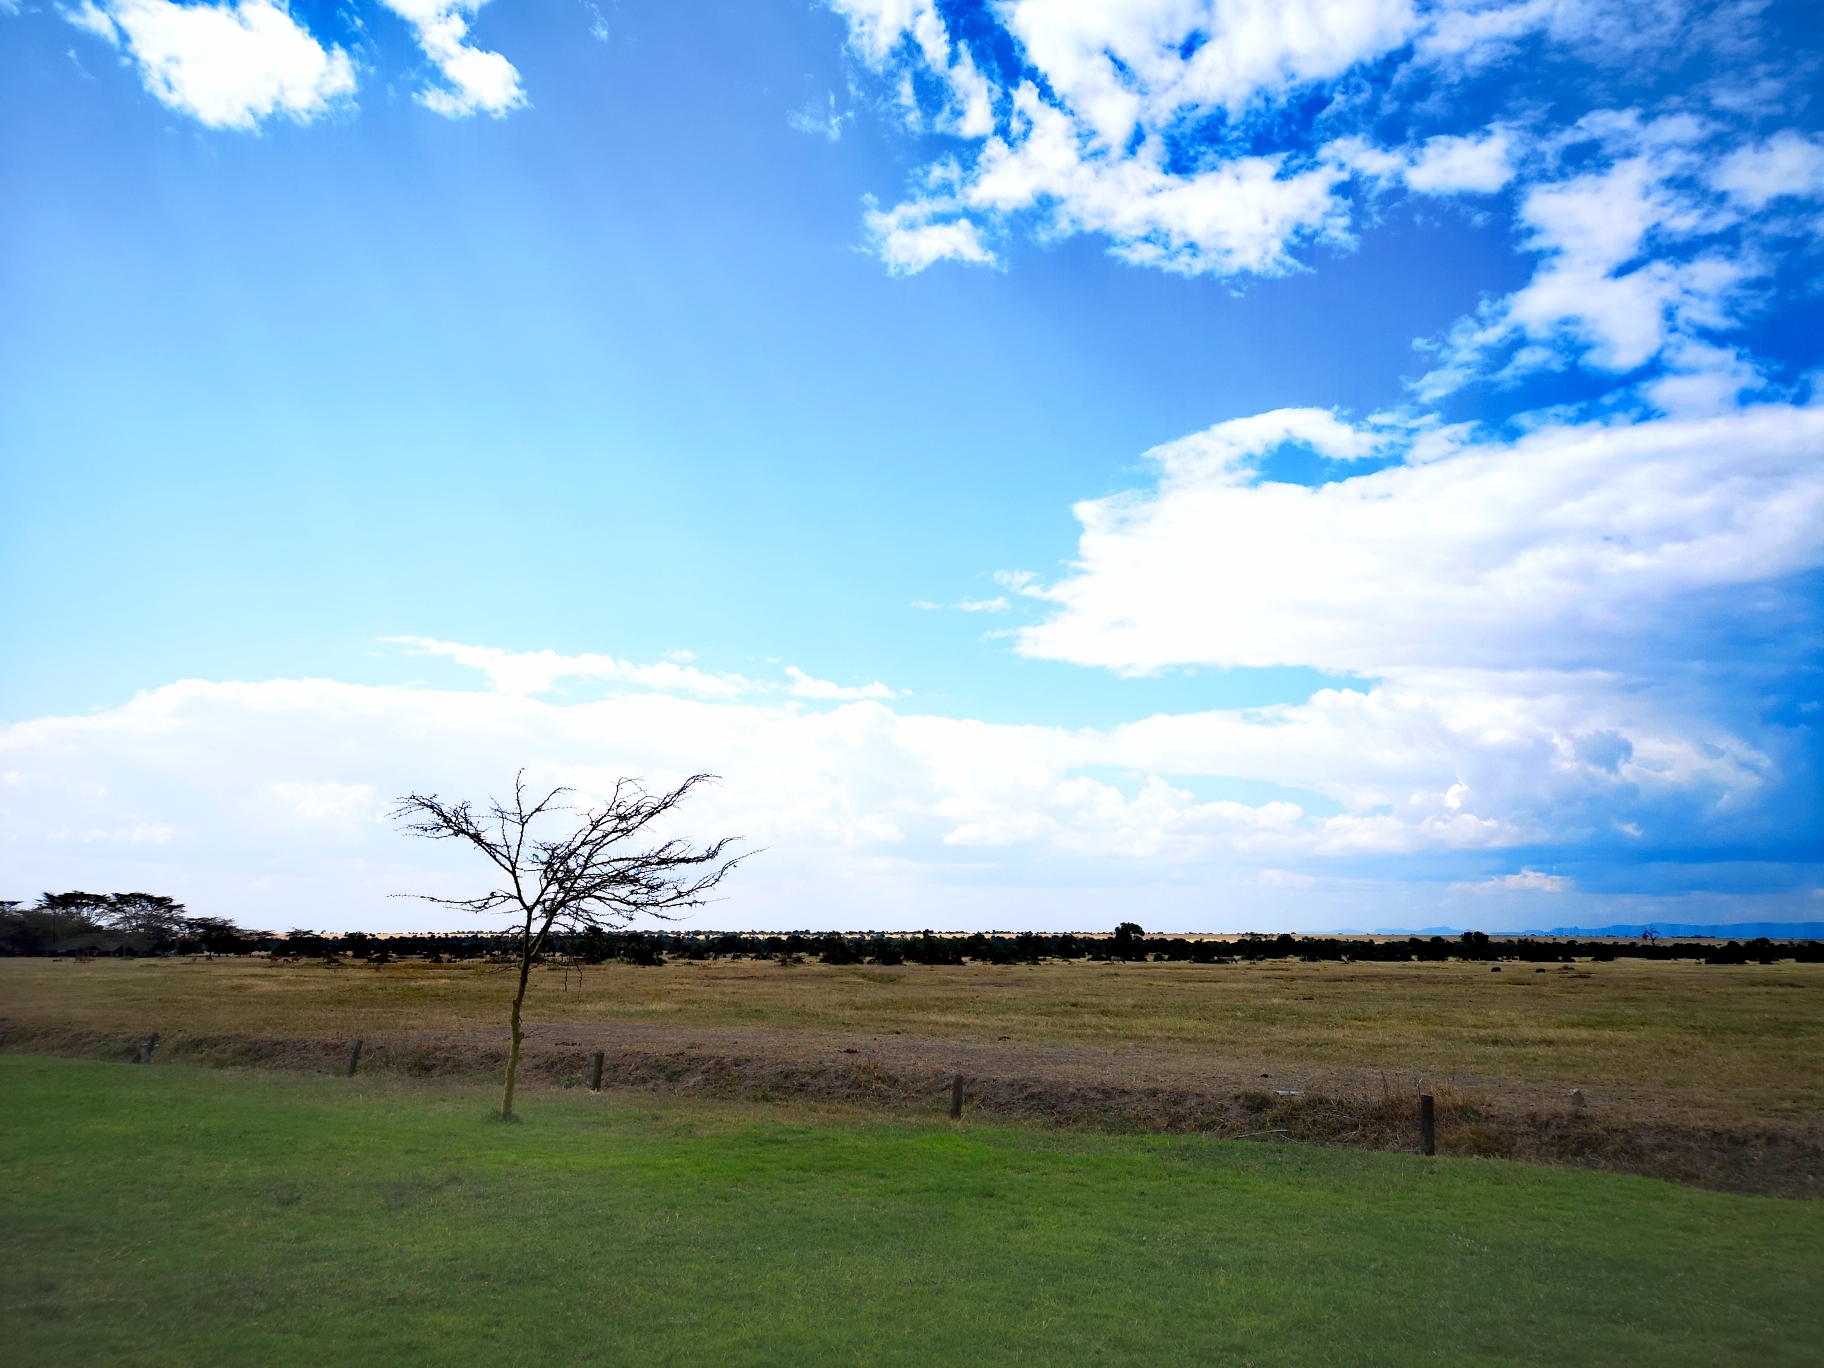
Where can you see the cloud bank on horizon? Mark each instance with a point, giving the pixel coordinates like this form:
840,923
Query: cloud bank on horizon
1585,631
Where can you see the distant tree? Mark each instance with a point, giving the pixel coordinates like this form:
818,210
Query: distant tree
595,946
220,936
123,921
587,880
75,903
150,915
1130,941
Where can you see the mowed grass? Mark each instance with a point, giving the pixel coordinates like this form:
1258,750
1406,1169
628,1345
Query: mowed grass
1736,1044
173,1215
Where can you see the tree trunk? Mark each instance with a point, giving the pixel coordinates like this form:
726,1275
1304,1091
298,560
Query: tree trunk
528,948
506,1101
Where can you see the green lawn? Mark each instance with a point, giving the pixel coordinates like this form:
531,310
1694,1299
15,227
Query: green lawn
171,1215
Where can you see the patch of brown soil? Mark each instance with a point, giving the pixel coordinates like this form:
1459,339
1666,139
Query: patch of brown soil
1062,1088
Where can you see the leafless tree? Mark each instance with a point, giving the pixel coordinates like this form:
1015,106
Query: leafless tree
588,878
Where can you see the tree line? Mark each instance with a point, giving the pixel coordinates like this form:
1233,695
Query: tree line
146,924
117,924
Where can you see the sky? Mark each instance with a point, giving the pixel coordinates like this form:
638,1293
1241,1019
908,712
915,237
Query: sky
1222,464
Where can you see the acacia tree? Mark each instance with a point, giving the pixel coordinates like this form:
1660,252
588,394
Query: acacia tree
587,879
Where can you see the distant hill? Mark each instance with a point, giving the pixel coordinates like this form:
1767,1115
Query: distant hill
1736,931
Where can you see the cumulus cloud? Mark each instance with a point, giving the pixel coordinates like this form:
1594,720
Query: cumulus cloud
1564,547
1527,608
475,81
226,65
268,798
1449,164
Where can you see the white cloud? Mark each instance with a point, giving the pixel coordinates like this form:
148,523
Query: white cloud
1479,163
878,27
1548,552
330,801
907,240
804,686
1448,165
537,672
1022,582
1156,123
533,672
1526,881
1125,65
475,81
1788,164
266,798
225,65
989,605
1644,258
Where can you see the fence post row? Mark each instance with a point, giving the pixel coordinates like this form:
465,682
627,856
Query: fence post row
1428,1124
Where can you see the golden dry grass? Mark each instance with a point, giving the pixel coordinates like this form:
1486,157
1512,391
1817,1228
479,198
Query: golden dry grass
1741,1045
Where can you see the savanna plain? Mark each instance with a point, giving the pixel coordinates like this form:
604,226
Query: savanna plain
1155,1163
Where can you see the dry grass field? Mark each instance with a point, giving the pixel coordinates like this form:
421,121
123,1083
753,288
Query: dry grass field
1678,1057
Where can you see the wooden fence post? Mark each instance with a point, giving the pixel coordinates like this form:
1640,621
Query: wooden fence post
956,1099
595,1077
1428,1124
354,1057
145,1051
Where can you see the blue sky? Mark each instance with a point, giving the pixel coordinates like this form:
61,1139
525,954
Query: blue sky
1375,445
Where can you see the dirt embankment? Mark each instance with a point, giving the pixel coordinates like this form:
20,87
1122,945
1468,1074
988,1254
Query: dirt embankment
909,1076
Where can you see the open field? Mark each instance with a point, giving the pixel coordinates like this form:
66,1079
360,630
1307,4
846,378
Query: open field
1684,1061
186,1216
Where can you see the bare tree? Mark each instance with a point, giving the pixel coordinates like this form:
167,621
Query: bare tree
586,879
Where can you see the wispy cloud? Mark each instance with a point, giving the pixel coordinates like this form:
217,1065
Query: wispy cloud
1526,881
1176,130
988,605
537,672
475,81
824,121
804,686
